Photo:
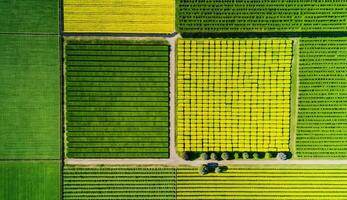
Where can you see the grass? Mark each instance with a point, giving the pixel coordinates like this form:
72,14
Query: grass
214,16
117,16
29,16
119,183
321,129
117,99
30,97
30,180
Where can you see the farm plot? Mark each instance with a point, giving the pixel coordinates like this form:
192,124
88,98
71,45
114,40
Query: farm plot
29,97
213,16
119,16
266,182
117,99
322,128
119,183
233,95
30,180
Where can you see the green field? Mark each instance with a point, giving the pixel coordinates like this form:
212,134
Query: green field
30,180
322,128
117,99
264,182
236,16
29,16
29,97
101,183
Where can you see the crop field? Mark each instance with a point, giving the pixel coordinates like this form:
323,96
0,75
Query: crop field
233,95
117,99
30,180
322,128
266,182
30,127
29,16
101,183
119,16
216,16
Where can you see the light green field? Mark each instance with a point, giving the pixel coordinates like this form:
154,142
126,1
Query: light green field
30,180
29,97
29,16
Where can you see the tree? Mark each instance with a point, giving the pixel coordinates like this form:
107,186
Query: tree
225,156
186,156
281,156
245,155
214,156
203,170
204,156
268,155
218,170
256,156
236,155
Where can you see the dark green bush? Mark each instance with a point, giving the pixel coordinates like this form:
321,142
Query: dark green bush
203,170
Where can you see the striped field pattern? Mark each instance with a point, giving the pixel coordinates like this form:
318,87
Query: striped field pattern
322,127
267,182
119,16
117,99
101,183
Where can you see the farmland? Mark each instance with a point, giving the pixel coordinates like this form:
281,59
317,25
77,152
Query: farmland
119,183
215,16
118,16
30,180
30,126
322,130
233,95
117,99
266,182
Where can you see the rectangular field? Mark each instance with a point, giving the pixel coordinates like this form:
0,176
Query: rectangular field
29,16
237,16
265,182
101,183
30,180
117,99
322,128
233,95
119,16
29,97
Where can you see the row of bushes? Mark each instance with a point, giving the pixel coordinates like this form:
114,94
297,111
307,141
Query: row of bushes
236,155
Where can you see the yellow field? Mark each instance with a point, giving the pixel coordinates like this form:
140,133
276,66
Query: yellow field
233,95
119,16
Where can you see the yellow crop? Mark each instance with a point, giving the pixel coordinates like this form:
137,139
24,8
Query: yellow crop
233,95
119,16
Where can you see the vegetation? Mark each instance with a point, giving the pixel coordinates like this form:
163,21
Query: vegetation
117,100
281,156
245,155
203,170
215,120
255,156
215,16
264,182
119,183
30,180
321,128
131,16
214,156
268,155
30,98
225,156
204,156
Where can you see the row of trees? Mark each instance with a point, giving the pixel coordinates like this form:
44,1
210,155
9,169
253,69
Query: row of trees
237,155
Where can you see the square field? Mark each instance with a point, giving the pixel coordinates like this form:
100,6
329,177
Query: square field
233,95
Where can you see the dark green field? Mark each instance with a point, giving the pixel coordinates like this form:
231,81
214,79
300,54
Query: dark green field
30,180
29,97
117,99
29,16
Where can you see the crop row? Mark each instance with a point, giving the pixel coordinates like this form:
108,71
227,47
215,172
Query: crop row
116,99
